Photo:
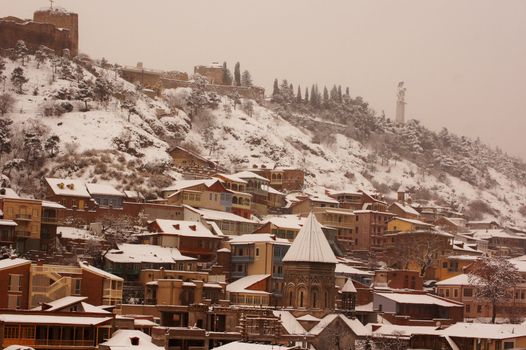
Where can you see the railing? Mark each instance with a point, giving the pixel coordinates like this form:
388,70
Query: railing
242,258
237,274
23,217
50,220
64,343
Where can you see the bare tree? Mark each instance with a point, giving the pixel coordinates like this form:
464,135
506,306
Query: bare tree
7,103
494,278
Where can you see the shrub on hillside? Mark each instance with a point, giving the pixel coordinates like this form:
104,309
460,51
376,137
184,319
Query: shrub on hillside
522,210
477,208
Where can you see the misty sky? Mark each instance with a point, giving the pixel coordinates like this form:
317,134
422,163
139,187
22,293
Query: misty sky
464,62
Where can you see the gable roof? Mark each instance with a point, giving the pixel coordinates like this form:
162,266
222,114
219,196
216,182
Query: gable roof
68,187
184,228
405,208
242,285
104,190
250,175
427,299
311,245
356,326
289,322
182,184
121,340
99,272
348,287
258,238
145,253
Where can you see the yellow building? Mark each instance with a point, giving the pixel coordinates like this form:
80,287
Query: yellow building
27,213
399,224
343,221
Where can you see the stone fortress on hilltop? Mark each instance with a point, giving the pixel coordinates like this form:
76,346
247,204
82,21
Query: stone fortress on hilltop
53,27
58,29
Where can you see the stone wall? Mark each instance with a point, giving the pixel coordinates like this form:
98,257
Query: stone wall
34,34
62,19
253,92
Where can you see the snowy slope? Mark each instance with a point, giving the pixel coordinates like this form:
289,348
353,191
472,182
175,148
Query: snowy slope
238,140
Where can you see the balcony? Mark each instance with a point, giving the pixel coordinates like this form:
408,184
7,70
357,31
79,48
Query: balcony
242,259
50,220
238,274
23,234
23,217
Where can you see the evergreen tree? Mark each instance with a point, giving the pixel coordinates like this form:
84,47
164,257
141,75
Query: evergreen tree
325,95
298,95
7,103
306,95
347,92
40,57
275,88
237,74
227,75
21,51
85,93
33,148
340,95
18,79
246,78
334,94
51,145
5,136
313,96
103,89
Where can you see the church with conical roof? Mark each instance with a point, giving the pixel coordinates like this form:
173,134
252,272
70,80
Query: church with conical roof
308,272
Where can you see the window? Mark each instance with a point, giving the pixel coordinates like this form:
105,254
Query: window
11,332
77,282
468,292
479,309
468,308
257,251
13,301
447,293
455,293
15,283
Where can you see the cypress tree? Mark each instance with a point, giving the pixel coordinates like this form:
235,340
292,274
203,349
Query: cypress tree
306,95
298,95
275,89
237,74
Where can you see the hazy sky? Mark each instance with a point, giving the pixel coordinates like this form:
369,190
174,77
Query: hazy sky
464,62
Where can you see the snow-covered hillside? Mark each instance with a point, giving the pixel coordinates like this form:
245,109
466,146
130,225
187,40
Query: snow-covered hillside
140,136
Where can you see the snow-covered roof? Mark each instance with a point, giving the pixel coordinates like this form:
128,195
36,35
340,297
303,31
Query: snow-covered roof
103,190
133,194
54,205
61,303
403,330
323,198
99,272
356,326
407,298
232,178
495,233
68,187
76,233
238,345
250,175
122,340
460,280
182,184
348,287
311,245
184,228
413,221
406,209
10,263
257,238
485,330
9,193
291,221
224,250
271,190
209,214
18,347
290,323
53,319
4,222
145,253
308,318
242,285
456,221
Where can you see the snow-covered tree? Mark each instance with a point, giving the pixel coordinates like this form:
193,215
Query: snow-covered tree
85,93
237,74
52,145
5,136
248,107
103,89
33,148
246,78
275,88
17,164
227,75
494,278
40,57
7,103
18,79
298,95
21,51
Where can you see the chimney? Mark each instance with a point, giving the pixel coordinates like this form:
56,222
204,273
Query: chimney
134,341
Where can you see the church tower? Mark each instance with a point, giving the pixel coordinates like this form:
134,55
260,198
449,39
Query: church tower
308,272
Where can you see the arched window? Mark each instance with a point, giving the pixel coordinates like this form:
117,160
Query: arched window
301,298
326,300
234,200
290,298
314,299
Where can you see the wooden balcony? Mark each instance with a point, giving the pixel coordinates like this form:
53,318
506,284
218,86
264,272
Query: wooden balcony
23,217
